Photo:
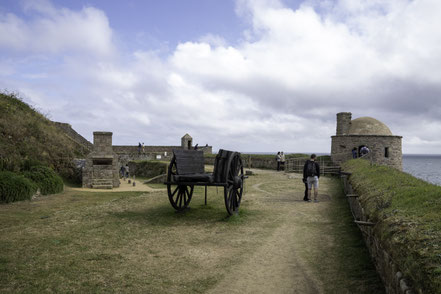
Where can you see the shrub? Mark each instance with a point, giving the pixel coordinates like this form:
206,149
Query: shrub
14,187
147,168
46,179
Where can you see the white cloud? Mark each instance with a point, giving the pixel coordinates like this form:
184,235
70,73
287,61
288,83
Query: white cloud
278,89
57,31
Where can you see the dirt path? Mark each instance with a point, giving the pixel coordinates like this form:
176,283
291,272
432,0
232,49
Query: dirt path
279,266
123,187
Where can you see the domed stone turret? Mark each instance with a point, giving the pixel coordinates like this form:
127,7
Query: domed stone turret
352,135
368,126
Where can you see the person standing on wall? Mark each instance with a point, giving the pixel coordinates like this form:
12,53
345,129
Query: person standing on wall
311,172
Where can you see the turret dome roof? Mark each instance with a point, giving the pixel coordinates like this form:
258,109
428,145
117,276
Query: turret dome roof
368,126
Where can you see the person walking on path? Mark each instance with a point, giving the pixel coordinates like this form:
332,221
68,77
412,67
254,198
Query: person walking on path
311,172
282,161
127,171
139,148
305,198
278,158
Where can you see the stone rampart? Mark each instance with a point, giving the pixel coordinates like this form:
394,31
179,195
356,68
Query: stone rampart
250,161
394,280
71,133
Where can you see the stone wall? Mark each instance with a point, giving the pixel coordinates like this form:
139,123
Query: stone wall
130,153
71,133
249,161
394,280
341,148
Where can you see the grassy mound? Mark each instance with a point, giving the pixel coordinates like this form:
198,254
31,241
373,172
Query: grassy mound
46,179
25,134
148,168
407,211
15,187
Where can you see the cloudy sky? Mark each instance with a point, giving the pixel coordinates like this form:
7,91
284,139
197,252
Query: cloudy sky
246,75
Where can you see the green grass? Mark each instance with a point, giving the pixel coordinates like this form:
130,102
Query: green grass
135,242
27,135
407,211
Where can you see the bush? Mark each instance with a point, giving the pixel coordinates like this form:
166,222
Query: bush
15,187
147,168
45,179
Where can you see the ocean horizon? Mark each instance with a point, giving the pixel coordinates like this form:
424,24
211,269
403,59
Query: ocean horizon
423,166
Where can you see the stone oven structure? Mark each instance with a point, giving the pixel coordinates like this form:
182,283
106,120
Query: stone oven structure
101,168
385,148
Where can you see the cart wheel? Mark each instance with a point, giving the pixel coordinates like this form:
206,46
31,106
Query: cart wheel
178,195
234,189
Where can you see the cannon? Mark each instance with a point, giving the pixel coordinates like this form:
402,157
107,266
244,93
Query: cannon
187,169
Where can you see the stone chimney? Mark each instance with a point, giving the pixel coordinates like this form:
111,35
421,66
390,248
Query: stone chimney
102,143
343,123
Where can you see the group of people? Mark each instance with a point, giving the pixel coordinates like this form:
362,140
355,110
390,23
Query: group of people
124,171
363,151
141,148
280,158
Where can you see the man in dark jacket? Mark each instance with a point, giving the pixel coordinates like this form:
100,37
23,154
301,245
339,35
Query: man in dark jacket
311,172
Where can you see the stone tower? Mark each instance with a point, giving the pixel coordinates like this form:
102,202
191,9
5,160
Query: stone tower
385,148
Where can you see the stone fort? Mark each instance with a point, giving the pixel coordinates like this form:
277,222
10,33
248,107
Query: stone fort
385,148
101,167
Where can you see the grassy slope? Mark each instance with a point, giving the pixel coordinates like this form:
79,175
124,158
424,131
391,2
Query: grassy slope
408,212
27,134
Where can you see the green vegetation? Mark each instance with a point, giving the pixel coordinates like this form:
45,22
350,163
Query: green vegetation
46,179
15,187
25,134
407,211
148,168
133,242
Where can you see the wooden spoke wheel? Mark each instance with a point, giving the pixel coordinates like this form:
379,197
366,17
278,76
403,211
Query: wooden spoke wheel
178,195
234,189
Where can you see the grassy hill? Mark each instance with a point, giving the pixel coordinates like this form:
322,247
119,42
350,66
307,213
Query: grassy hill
28,136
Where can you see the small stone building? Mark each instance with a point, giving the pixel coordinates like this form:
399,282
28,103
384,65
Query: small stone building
385,148
187,142
101,169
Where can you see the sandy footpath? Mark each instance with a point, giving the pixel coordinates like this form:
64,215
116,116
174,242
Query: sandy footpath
123,187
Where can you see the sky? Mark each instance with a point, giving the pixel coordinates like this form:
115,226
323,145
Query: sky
243,75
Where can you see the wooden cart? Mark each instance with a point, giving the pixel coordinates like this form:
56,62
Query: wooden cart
186,170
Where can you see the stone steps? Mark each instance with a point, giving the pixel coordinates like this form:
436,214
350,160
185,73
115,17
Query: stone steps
102,184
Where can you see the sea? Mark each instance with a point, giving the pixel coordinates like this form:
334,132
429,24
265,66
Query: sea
423,166
426,167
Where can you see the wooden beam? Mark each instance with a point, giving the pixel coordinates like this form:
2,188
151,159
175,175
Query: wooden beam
364,223
351,195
